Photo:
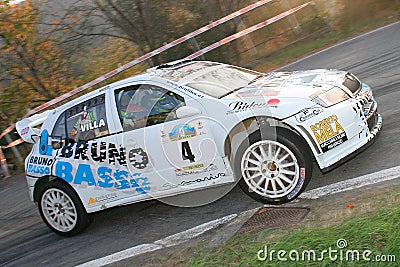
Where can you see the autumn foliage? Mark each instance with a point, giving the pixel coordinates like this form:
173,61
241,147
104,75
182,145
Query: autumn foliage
33,66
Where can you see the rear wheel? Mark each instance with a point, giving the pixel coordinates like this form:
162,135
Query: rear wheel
273,171
62,210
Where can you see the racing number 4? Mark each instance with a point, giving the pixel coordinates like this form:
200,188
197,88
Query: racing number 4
187,153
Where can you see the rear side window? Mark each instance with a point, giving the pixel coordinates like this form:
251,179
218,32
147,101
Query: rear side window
59,129
84,121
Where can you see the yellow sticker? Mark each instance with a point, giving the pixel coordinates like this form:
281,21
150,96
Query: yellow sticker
92,201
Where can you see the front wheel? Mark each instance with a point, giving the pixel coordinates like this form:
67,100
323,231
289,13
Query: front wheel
62,210
273,172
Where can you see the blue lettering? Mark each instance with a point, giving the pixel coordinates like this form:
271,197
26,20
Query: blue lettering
84,174
30,167
134,183
121,182
105,179
64,171
44,148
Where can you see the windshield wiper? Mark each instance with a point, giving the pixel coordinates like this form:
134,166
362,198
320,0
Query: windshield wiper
237,89
256,79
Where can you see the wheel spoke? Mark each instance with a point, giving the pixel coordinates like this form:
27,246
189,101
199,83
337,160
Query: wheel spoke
63,222
256,155
49,204
283,177
252,161
262,179
275,191
280,183
254,169
266,186
51,197
264,155
287,164
257,174
69,213
278,150
269,150
283,158
288,172
69,219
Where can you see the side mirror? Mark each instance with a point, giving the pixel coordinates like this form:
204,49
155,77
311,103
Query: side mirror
186,111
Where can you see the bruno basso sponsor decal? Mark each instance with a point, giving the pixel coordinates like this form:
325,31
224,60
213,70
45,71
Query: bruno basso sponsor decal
329,133
101,177
105,153
108,176
39,165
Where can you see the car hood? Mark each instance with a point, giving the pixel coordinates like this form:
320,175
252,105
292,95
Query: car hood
298,84
283,94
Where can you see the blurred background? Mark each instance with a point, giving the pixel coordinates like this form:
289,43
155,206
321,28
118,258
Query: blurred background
49,47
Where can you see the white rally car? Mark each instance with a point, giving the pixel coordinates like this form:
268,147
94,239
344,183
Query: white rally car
191,125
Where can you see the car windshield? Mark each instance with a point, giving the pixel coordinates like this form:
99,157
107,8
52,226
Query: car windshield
222,81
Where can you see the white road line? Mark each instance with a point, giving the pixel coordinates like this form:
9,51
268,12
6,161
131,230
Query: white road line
179,238
339,44
373,178
169,241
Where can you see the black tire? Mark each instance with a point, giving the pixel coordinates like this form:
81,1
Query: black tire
62,210
260,182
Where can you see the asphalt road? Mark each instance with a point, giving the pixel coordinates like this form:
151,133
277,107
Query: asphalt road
26,241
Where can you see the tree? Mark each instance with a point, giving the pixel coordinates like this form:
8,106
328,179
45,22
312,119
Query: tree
146,24
33,65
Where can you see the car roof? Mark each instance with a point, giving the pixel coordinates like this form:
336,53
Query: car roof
184,71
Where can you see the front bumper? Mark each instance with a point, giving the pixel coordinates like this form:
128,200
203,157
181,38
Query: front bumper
374,131
366,108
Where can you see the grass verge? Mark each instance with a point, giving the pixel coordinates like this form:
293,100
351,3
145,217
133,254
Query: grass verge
367,219
367,237
371,234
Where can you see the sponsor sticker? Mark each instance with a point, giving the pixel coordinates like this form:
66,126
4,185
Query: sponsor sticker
194,181
102,198
329,133
195,169
308,113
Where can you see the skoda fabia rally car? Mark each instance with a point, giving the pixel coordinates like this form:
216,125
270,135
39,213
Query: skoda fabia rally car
191,125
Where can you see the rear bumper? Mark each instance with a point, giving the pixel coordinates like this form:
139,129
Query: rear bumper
31,186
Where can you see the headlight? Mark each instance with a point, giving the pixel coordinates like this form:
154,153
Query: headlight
331,97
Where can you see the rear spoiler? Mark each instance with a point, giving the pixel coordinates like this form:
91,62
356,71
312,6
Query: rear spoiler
26,127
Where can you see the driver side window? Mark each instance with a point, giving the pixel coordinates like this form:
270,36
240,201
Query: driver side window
146,105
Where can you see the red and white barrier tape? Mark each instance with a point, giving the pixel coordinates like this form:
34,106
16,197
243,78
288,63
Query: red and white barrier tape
246,31
169,45
140,59
149,55
7,130
14,143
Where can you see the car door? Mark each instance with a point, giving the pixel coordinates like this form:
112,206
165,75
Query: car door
171,154
85,151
